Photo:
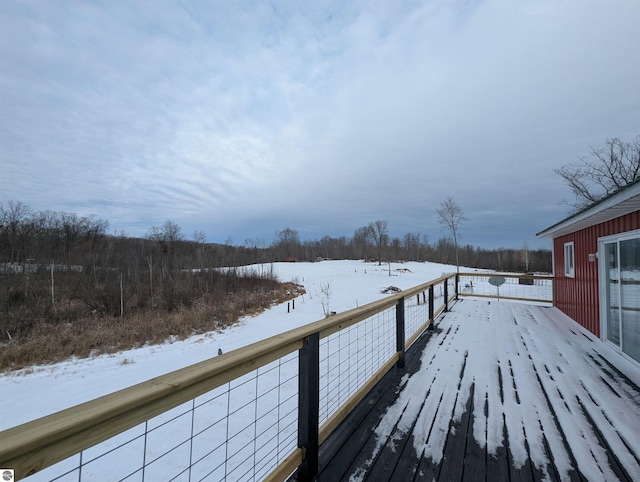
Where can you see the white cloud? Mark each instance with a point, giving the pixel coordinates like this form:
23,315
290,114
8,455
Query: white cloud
322,115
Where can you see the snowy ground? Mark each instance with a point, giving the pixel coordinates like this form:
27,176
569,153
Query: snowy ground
39,391
331,286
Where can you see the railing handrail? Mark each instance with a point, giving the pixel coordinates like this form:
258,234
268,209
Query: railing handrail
507,275
469,274
77,428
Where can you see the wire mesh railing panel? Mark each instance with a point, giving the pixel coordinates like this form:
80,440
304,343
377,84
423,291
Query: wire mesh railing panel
349,357
135,477
170,465
245,428
167,444
67,470
239,431
522,288
416,314
109,461
276,414
438,295
209,450
451,286
260,429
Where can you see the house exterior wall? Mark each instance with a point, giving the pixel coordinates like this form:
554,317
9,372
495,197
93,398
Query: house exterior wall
578,297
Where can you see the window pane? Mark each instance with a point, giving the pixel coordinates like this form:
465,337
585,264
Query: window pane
630,296
568,259
612,292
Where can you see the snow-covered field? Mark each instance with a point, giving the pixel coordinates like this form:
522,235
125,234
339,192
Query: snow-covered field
330,286
39,391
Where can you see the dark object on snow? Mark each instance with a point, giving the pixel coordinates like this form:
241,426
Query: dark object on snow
390,289
219,351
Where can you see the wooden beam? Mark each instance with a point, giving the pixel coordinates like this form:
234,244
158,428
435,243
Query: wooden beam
286,467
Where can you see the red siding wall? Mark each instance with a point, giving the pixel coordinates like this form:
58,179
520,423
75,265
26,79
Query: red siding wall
578,297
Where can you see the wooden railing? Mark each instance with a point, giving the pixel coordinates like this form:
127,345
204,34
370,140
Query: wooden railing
332,356
516,287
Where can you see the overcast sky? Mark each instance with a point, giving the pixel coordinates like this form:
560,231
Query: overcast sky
243,118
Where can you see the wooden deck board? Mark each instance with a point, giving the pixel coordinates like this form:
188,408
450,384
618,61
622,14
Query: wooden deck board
356,452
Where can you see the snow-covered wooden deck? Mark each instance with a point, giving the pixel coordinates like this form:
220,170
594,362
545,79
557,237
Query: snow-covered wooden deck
498,391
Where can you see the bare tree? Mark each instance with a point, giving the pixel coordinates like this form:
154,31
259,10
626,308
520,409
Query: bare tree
166,238
395,246
450,215
200,238
166,235
12,221
360,240
287,240
524,256
379,230
411,244
610,168
325,300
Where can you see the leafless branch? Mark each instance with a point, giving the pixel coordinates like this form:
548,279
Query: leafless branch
608,169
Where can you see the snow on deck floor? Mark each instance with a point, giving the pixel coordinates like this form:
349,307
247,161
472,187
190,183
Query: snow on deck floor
540,392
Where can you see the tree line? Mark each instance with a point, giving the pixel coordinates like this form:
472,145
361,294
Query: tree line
60,269
68,288
373,243
43,238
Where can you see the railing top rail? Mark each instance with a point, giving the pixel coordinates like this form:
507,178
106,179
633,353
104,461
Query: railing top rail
508,275
92,422
72,430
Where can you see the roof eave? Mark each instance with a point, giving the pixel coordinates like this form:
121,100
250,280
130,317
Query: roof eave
624,201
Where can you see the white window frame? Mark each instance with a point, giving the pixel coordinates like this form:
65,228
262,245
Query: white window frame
602,267
569,260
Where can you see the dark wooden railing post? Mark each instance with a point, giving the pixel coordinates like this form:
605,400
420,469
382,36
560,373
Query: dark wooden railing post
431,310
446,294
457,284
308,406
400,332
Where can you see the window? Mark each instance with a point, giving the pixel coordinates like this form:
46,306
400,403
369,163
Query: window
568,260
619,274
